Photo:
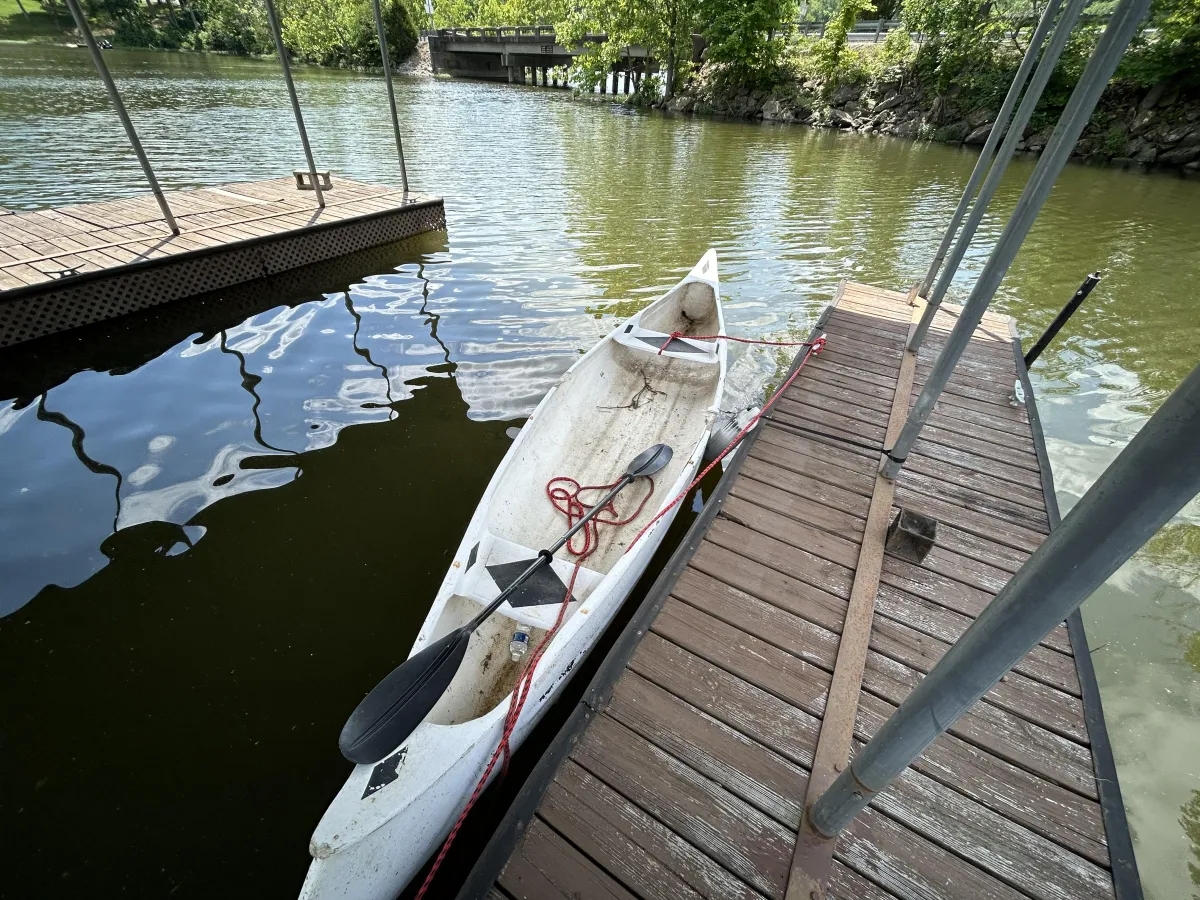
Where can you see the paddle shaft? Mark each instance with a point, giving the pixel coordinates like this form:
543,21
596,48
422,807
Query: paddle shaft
545,556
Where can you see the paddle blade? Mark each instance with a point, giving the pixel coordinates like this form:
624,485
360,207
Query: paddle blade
399,703
649,461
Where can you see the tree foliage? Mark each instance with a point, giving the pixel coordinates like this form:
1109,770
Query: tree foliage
343,32
741,34
831,48
663,26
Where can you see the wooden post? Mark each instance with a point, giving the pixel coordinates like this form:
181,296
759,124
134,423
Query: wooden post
604,83
628,66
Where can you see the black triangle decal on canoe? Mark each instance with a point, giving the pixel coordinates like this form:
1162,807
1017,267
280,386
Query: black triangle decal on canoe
474,555
385,772
543,587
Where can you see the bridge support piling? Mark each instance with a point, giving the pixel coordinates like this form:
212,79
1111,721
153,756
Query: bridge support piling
545,76
627,76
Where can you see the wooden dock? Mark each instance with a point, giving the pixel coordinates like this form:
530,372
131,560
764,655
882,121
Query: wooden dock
685,769
69,266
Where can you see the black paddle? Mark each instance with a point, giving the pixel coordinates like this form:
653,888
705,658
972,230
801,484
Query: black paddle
399,703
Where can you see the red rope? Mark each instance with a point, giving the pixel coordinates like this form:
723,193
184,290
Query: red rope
568,503
814,347
725,337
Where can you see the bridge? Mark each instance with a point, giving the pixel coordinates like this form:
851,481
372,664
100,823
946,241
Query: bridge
517,54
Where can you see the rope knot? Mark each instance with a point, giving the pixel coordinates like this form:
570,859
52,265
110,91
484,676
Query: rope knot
667,343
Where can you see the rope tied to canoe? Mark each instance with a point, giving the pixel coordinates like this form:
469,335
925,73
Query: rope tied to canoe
675,335
814,347
563,492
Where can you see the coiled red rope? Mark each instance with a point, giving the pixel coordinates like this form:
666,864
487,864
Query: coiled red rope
563,492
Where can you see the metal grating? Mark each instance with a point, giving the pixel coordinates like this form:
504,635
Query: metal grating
60,306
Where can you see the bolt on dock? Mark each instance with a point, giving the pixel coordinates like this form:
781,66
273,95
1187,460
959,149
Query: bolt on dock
755,671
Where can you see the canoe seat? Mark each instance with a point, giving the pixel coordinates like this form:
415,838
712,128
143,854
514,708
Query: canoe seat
638,338
494,564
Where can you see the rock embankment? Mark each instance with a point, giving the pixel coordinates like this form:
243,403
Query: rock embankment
1159,127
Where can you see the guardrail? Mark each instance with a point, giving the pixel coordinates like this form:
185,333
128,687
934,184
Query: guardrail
505,32
867,30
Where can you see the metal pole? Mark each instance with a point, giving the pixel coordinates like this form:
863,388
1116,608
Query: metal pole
113,95
1061,319
1143,488
999,128
273,21
1100,68
387,76
1024,113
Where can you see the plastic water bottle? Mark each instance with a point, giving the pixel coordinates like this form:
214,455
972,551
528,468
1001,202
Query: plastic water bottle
519,645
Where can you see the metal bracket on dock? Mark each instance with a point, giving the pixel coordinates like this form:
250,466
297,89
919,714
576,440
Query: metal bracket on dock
911,536
304,182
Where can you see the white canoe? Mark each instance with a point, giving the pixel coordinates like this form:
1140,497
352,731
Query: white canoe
390,817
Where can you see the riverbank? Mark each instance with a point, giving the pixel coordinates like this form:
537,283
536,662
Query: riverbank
1156,127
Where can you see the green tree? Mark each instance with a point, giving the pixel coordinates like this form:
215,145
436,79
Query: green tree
234,26
830,50
343,32
664,26
1171,50
741,34
959,36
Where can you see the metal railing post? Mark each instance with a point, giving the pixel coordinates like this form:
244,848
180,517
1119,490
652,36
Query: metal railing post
113,95
387,76
1041,77
999,128
1144,487
273,21
1070,125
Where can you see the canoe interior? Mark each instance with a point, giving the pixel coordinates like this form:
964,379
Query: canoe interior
487,674
614,405
616,402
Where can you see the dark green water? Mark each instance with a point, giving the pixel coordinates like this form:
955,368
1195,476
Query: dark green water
169,721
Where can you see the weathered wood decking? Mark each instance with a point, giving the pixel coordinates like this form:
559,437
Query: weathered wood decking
68,266
691,778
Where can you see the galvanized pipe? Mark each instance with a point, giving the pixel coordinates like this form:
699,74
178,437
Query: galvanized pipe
989,147
387,76
1100,68
273,21
1061,319
1041,77
1144,487
113,95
